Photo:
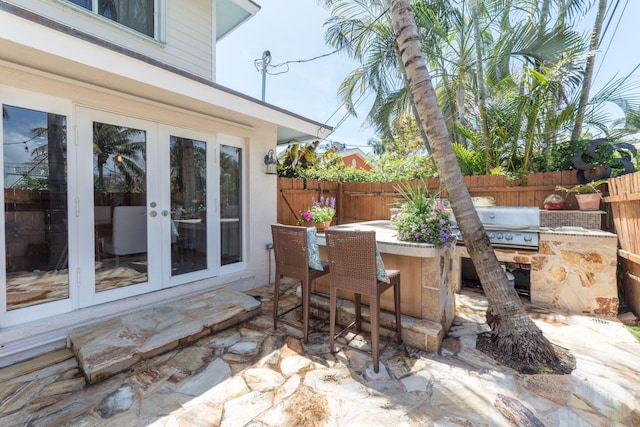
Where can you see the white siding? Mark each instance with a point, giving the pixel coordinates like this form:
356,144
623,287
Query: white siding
189,35
188,44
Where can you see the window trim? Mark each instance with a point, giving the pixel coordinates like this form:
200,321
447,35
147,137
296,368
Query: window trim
159,19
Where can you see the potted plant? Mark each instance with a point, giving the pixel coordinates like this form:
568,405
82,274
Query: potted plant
423,219
587,195
320,213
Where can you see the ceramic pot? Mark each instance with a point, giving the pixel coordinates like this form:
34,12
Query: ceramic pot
589,202
319,227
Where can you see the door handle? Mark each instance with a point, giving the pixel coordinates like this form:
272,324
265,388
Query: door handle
164,213
153,214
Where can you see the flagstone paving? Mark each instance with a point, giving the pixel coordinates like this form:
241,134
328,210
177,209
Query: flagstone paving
250,375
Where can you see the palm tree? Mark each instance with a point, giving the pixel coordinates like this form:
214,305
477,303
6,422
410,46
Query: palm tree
588,70
362,30
117,143
483,60
514,332
57,186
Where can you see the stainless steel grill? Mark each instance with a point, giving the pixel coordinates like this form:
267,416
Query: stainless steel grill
508,226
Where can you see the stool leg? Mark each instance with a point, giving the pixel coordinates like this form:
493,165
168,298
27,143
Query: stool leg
306,302
276,296
357,298
396,297
332,318
374,307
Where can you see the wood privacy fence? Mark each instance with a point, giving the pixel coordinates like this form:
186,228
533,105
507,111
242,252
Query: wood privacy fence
624,200
357,202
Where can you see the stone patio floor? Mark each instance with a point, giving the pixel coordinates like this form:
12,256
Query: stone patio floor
250,375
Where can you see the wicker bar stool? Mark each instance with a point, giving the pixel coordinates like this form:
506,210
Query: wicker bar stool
291,257
352,260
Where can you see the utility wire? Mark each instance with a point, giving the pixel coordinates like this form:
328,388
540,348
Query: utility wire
615,31
286,63
606,27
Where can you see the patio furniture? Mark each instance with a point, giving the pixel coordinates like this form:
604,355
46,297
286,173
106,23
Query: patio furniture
291,247
353,263
129,234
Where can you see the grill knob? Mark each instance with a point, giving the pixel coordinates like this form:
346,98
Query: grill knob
491,235
500,236
528,238
509,236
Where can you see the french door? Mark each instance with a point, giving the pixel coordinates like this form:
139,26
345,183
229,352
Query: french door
144,198
101,206
117,207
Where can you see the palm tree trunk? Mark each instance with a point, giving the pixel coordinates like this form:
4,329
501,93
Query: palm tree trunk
588,71
514,331
482,90
57,188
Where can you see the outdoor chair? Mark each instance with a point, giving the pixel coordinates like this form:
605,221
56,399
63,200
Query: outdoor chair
296,257
356,267
129,235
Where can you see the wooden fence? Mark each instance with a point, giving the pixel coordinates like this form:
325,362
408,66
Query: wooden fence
357,202
624,200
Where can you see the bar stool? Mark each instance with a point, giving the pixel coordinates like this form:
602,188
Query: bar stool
353,264
292,254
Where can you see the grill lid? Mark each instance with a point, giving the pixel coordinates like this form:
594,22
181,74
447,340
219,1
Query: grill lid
507,217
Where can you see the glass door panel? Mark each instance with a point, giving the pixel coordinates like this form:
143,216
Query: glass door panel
188,188
230,205
120,212
35,207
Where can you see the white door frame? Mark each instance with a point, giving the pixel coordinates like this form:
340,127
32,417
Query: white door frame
38,102
212,218
85,201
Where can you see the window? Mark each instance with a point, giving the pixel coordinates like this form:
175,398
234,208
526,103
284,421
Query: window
35,206
230,204
138,15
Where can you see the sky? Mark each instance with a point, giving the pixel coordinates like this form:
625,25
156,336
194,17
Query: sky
293,30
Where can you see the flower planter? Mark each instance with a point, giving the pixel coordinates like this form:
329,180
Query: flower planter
319,227
589,202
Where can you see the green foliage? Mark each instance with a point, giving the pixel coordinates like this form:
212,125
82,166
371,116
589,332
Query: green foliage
296,158
534,60
321,211
635,331
388,168
385,168
471,162
405,140
30,183
560,156
588,188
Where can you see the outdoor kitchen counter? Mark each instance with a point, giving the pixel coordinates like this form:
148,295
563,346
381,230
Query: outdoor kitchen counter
573,270
426,289
576,271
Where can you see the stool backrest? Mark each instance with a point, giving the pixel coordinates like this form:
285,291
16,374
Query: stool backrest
290,249
352,259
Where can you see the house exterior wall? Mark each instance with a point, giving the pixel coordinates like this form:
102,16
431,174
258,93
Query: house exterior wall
187,42
355,161
42,64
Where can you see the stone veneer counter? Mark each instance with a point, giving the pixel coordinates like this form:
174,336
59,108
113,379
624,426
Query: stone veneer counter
576,270
426,288
573,271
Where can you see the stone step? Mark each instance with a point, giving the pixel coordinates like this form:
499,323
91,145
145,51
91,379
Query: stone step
114,345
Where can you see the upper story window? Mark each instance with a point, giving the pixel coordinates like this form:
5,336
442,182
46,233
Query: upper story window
138,15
